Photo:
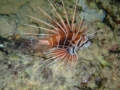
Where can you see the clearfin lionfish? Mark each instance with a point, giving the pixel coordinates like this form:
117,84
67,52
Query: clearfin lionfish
65,37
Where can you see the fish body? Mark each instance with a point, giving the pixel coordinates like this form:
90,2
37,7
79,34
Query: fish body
66,43
65,37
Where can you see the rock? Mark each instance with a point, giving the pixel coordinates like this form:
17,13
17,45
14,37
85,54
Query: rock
91,15
8,25
20,69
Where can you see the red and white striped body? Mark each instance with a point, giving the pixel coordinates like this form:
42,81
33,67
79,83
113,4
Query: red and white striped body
65,38
66,43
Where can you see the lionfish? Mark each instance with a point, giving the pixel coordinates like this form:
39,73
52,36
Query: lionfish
65,37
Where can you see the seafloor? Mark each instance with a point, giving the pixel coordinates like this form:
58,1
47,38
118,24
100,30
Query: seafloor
23,65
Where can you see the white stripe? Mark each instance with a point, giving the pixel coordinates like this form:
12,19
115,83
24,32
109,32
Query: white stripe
51,41
42,21
41,28
81,22
58,40
80,39
66,35
59,17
